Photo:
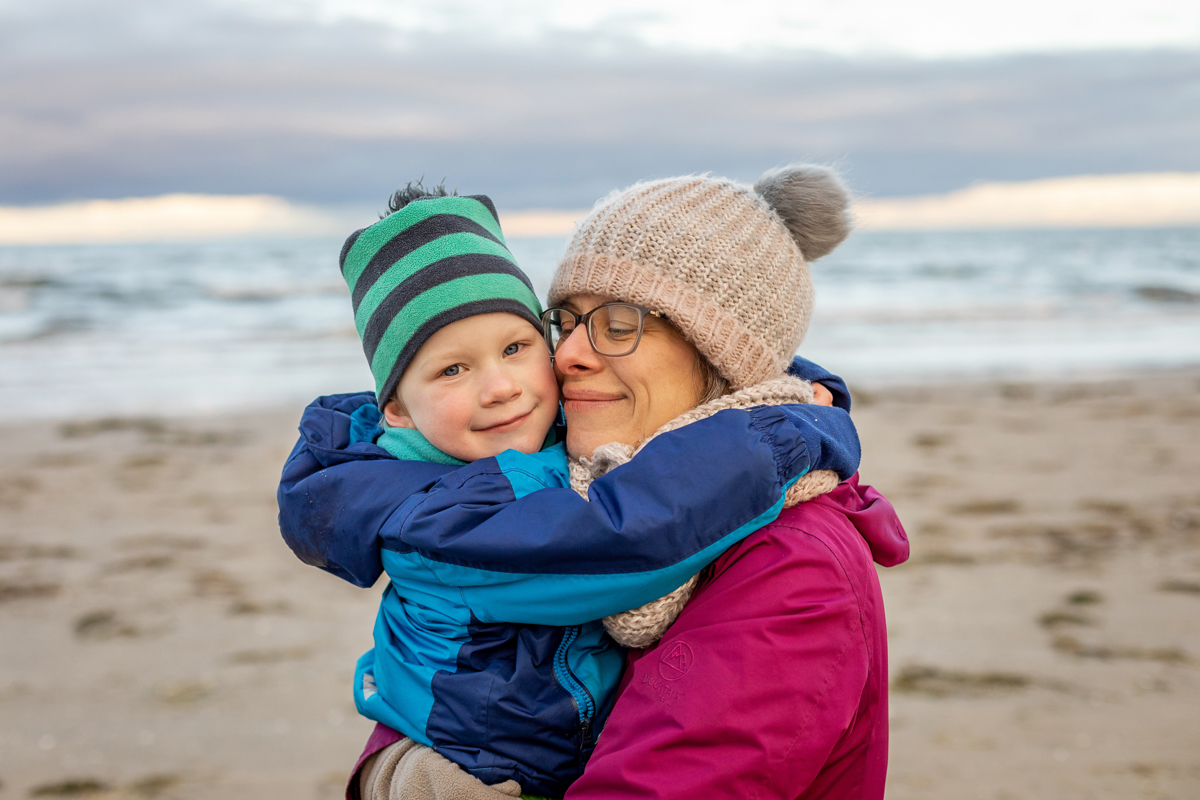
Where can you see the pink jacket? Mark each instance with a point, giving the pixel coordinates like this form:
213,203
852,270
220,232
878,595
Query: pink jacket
772,683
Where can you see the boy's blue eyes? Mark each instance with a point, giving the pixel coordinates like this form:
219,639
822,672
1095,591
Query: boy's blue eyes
452,371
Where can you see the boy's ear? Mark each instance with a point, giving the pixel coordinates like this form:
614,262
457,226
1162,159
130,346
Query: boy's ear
395,416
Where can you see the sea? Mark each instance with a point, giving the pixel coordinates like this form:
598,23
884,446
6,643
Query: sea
90,331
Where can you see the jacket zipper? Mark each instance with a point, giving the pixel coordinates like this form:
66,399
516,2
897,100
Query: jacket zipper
585,706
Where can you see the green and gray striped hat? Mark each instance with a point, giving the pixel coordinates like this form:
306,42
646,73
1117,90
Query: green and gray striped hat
433,262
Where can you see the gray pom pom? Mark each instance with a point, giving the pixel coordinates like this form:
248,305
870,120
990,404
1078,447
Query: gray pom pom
812,201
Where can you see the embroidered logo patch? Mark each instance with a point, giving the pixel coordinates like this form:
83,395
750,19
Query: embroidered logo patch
674,663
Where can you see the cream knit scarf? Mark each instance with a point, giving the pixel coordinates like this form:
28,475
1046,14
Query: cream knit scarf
642,627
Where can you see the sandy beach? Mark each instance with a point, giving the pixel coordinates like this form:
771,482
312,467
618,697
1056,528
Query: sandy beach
158,639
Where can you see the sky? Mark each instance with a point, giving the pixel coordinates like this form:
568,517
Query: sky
551,105
924,28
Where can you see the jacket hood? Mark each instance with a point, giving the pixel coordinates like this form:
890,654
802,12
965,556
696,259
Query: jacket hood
338,489
341,427
874,517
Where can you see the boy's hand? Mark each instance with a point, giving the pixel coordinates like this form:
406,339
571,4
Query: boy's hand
821,395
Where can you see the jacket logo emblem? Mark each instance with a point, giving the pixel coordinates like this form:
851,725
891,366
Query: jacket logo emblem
676,661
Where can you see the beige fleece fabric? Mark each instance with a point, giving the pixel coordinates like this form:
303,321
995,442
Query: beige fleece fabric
407,770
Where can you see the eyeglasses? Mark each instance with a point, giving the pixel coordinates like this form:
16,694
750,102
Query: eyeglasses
613,329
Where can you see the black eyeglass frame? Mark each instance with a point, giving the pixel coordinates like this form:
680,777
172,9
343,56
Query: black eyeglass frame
585,321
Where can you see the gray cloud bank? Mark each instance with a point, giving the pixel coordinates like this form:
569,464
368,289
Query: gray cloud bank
139,98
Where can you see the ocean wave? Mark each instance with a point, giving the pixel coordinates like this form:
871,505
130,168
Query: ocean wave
1167,294
266,323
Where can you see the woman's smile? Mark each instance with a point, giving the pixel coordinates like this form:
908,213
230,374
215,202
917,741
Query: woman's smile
577,400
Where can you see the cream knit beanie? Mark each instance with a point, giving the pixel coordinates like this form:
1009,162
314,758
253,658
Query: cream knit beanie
725,262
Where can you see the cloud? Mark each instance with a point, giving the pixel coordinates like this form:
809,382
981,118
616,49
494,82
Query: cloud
855,28
140,98
170,218
1087,201
193,218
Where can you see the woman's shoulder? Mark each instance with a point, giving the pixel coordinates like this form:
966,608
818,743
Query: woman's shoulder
836,537
853,513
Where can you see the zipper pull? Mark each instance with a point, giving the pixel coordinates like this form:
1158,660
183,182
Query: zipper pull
585,743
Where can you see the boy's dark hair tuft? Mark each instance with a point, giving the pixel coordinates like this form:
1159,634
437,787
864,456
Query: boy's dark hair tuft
415,191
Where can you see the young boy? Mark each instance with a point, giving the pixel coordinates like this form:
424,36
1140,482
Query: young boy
507,672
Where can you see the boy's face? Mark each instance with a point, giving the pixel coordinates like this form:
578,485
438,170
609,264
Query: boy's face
478,387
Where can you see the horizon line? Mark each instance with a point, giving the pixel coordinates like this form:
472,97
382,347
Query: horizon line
1122,200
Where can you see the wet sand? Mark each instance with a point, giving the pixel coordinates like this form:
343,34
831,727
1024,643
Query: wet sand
157,639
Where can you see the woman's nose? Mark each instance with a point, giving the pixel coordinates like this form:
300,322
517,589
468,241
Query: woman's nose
575,353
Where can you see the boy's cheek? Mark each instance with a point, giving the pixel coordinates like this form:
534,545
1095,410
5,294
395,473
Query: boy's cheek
543,385
548,382
445,422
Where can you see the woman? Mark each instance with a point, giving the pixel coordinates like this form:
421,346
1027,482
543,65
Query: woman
772,679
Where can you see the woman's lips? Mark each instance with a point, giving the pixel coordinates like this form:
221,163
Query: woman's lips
588,399
508,425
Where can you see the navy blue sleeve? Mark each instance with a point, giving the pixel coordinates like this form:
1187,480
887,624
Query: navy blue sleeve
331,516
335,492
806,370
830,438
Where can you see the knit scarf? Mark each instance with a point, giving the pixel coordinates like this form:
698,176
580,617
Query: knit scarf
642,627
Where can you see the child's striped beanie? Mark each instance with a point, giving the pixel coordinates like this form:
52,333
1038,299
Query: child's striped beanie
433,262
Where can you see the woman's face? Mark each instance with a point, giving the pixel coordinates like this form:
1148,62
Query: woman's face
626,398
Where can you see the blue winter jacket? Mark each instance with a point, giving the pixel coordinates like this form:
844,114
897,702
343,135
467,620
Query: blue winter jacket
487,644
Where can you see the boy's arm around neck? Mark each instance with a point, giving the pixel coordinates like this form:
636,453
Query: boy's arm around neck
339,495
548,556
